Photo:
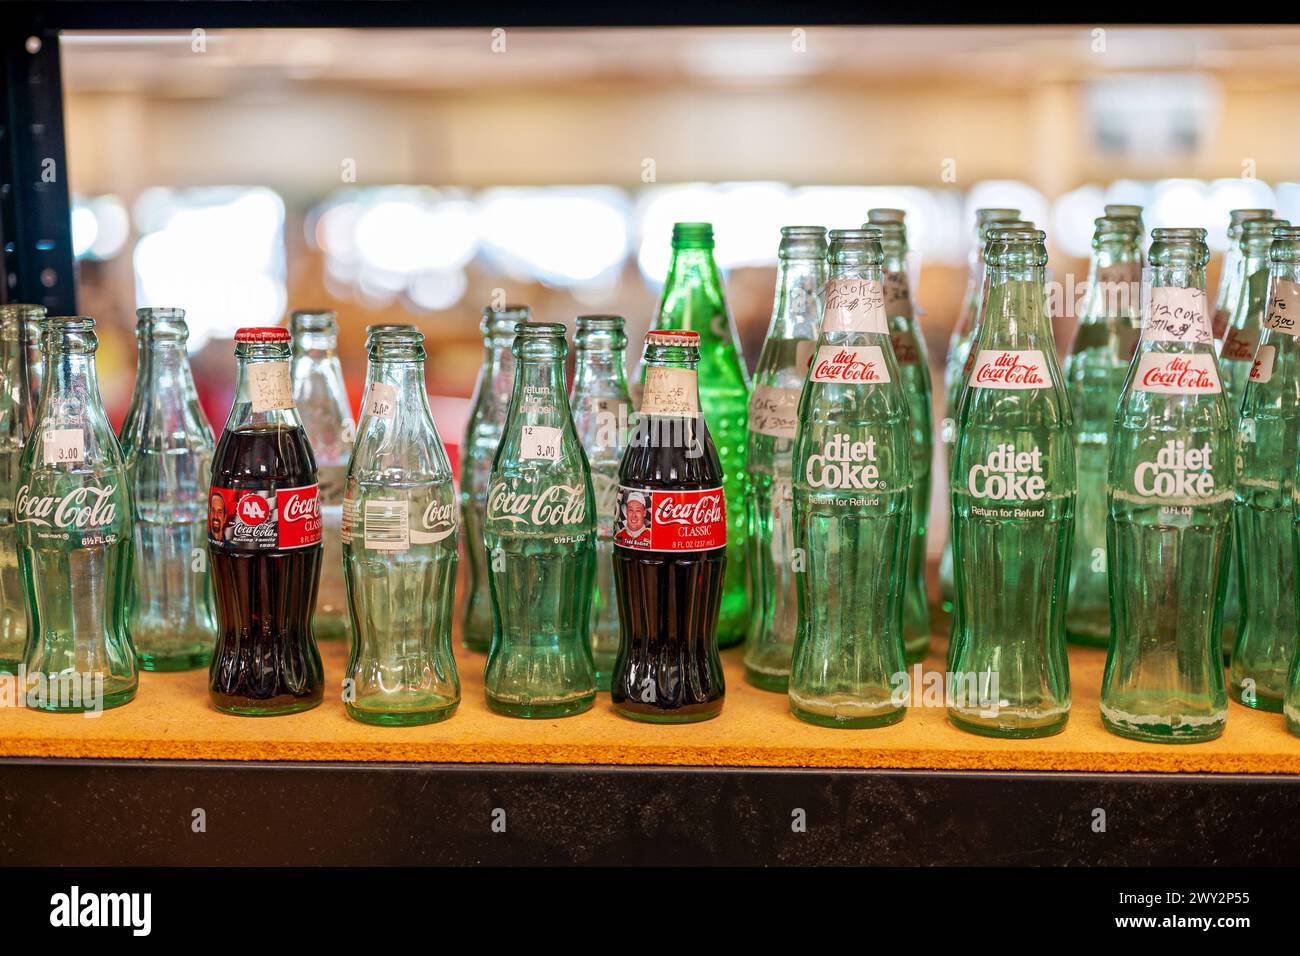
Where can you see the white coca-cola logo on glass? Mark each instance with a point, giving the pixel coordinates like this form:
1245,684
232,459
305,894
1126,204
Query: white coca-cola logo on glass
702,510
1177,374
851,364
90,506
438,521
1009,475
556,505
1010,369
845,463
1176,472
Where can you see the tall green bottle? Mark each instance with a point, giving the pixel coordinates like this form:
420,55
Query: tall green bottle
693,300
1231,275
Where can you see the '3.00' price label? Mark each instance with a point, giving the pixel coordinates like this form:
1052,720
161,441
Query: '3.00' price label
540,443
64,446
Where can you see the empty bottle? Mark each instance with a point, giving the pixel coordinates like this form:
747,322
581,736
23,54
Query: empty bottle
17,411
693,300
914,377
399,545
773,420
322,401
487,420
1013,491
74,536
1232,272
852,499
1095,369
167,445
1171,498
540,539
954,369
34,322
601,409
1267,437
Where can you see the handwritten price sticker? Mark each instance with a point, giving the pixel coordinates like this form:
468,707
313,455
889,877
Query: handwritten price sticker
898,297
774,411
1284,307
381,401
64,446
1179,315
270,387
671,392
855,305
540,443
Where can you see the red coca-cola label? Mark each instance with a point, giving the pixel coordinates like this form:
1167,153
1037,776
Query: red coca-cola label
850,364
1010,369
1179,374
1219,324
252,519
659,520
905,350
1239,345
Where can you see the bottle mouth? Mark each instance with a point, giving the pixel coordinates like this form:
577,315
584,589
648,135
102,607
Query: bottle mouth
681,338
71,323
1017,234
693,235
1180,234
1115,225
996,214
21,312
263,335
373,330
803,232
600,323
535,330
519,313
398,337
1257,230
1238,216
1122,211
879,217
313,320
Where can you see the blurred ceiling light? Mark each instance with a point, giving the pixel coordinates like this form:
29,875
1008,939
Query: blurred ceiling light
1288,201
748,232
85,229
761,56
1226,195
993,193
1181,203
100,227
657,209
407,234
432,291
560,235
1072,220
1152,117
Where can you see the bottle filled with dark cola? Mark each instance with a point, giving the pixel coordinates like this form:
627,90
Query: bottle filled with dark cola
264,538
670,546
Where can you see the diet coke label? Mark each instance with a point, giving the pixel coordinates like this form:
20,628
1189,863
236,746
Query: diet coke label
1239,346
1261,370
855,305
845,463
850,365
677,520
555,506
255,519
1009,475
1177,473
1168,373
1010,369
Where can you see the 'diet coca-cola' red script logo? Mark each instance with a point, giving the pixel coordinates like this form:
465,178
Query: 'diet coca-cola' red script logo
1177,374
853,364
1012,369
671,520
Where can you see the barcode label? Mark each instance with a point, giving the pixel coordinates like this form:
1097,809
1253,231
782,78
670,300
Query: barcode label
387,525
64,446
540,443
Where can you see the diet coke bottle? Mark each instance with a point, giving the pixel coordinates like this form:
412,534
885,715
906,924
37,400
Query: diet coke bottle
264,538
670,546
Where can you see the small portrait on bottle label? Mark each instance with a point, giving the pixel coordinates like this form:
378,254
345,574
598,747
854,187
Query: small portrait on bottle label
632,524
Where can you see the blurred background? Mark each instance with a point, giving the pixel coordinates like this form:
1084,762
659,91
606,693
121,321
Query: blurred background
402,176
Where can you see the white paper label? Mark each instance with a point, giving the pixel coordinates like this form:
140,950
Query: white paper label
671,391
1177,374
1012,369
898,297
1178,315
64,446
387,525
540,443
270,386
774,411
850,365
1284,307
381,401
1239,345
855,305
1261,370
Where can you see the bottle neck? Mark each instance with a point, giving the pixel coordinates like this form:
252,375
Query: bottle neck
163,365
1015,314
795,311
539,390
693,294
263,388
1114,282
602,369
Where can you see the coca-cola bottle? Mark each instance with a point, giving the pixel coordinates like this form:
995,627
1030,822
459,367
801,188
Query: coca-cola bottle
1171,499
1268,435
264,540
34,322
540,540
914,377
322,401
487,420
167,444
1240,339
1013,490
954,366
693,300
1095,369
1232,275
74,536
852,503
670,545
773,419
399,545
601,409
17,411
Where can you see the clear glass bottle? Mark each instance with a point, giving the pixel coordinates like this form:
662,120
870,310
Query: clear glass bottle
74,536
322,401
167,445
1232,274
540,536
399,545
17,411
601,410
1095,369
852,497
35,320
1013,491
1171,480
773,420
487,420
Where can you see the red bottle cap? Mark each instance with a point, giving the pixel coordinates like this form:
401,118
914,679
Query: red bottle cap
270,333
672,337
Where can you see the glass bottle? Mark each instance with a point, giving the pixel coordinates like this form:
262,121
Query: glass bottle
167,445
540,540
852,497
1231,271
1268,435
1170,482
693,300
399,545
74,536
1095,369
487,419
1013,490
322,401
17,410
601,409
773,420
34,323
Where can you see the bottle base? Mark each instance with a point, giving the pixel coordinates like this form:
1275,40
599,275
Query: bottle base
915,653
1163,733
984,728
848,723
1087,639
107,702
1254,699
687,715
8,666
775,682
174,662
398,718
244,707
535,710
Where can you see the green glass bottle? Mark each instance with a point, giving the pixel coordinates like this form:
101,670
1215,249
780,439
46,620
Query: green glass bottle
1095,369
1267,436
693,300
1231,276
